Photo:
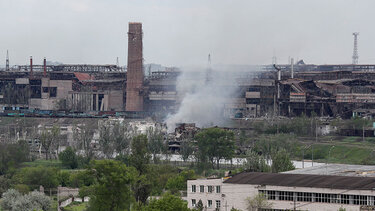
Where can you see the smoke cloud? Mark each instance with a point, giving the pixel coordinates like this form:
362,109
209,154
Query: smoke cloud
203,102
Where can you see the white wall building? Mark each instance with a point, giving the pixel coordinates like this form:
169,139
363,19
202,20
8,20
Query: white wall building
284,191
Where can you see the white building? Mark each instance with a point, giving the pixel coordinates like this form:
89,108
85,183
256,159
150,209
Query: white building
284,191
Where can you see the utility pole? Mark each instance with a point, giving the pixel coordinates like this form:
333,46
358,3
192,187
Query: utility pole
355,48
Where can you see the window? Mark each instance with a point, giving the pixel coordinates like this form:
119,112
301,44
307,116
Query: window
218,203
201,188
209,203
193,188
193,202
52,91
210,188
218,189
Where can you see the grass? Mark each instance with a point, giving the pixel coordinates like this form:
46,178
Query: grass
76,206
44,163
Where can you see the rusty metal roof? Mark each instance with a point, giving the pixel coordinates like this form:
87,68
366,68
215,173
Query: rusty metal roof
304,180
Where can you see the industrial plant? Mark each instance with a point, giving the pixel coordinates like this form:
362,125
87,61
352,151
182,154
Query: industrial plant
84,90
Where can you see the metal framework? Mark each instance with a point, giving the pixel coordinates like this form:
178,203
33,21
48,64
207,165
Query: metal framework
73,68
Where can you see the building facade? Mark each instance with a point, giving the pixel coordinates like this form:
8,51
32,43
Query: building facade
284,192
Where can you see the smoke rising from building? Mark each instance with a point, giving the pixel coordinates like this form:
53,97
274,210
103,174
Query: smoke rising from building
203,103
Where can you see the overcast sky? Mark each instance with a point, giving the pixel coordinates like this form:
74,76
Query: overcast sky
183,33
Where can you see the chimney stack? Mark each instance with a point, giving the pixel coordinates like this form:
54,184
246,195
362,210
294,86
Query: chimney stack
31,66
134,73
44,67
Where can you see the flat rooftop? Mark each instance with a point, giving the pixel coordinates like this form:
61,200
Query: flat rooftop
304,180
337,170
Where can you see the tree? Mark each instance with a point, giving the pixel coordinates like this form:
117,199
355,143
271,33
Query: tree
83,135
48,137
256,162
179,182
12,154
186,149
215,144
112,190
200,205
281,162
258,202
155,141
122,135
140,155
105,140
68,158
140,159
14,201
167,202
36,176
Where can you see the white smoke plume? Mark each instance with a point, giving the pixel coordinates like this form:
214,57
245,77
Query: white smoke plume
203,102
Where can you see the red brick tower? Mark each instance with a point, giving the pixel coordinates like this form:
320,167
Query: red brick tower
134,81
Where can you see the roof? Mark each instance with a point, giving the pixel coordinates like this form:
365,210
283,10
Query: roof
338,170
82,77
304,180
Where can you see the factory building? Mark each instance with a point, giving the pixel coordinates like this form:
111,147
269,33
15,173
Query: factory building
284,192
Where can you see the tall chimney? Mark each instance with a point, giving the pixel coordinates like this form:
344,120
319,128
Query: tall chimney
31,66
134,75
44,67
292,68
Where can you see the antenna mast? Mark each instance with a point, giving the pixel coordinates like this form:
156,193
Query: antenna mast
355,49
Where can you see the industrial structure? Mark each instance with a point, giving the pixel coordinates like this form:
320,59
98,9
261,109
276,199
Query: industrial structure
288,90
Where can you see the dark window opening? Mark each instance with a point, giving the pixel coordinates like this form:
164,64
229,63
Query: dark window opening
52,91
45,89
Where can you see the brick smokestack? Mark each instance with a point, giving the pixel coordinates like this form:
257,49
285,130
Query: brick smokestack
31,66
134,75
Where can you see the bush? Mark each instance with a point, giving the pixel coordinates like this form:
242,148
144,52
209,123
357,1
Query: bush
36,176
13,200
68,158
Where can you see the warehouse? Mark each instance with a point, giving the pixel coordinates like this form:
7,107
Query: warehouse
284,191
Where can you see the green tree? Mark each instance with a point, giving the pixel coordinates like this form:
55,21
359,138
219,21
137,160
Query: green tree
13,200
167,202
36,176
281,162
112,190
12,154
200,205
68,158
105,140
155,142
186,149
256,162
258,202
179,181
215,144
140,157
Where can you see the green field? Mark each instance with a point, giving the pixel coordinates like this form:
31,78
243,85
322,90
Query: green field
44,163
348,150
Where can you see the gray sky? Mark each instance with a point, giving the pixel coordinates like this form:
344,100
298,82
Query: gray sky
182,33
